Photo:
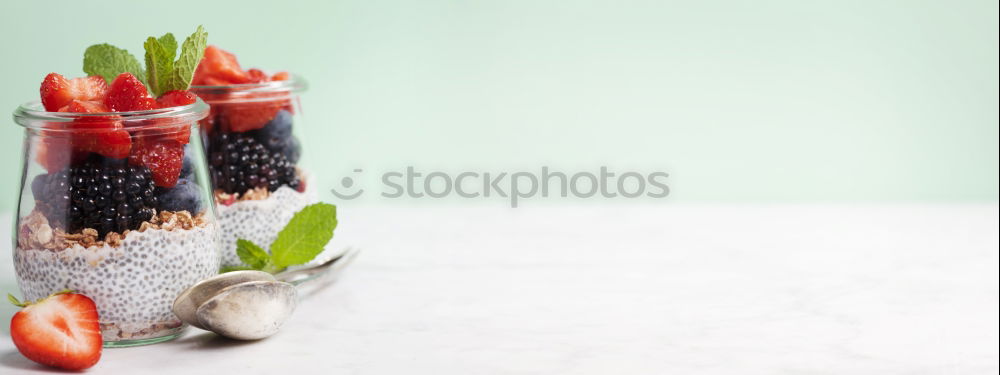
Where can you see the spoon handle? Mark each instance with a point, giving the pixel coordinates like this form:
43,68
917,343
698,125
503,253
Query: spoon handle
329,269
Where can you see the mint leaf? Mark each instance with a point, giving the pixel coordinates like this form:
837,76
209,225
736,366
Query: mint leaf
191,52
160,62
169,43
251,254
304,237
109,61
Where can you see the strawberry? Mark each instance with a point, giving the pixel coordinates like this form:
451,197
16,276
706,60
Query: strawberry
212,81
176,98
127,93
100,134
180,133
58,92
241,117
85,106
280,76
163,156
219,66
59,331
256,76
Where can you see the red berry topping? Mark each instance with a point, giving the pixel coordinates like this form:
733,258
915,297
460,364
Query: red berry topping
241,117
280,76
219,67
127,93
100,134
176,98
60,331
164,157
58,92
85,106
256,76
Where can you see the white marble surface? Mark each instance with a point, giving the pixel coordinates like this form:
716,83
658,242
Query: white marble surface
671,289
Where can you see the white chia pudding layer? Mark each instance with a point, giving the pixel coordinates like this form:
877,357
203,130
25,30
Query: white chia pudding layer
133,284
259,220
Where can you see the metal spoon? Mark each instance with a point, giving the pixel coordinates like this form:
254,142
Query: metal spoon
249,311
327,269
187,303
250,305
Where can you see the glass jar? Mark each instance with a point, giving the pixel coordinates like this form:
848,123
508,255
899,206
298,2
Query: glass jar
253,160
111,206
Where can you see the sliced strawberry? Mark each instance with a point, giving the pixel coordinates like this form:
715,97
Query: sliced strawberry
280,76
99,134
180,133
176,98
164,157
241,117
58,92
256,76
212,81
85,106
97,138
60,331
127,93
219,66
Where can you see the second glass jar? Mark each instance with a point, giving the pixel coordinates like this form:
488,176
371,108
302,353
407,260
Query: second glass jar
253,160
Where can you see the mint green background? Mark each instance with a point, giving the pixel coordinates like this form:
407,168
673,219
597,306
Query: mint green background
791,101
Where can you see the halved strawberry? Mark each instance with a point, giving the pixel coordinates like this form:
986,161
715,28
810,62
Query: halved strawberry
163,156
176,98
85,106
127,93
212,81
99,134
256,76
60,331
241,117
219,66
280,76
58,92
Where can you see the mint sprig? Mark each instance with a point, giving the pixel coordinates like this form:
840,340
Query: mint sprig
162,72
252,255
191,53
109,61
160,53
302,239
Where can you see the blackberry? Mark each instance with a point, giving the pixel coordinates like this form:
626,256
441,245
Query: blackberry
109,196
238,163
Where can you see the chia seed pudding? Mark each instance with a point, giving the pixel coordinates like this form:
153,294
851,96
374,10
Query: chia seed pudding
257,216
133,278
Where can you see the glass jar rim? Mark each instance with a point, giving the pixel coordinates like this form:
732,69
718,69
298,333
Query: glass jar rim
249,92
32,115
